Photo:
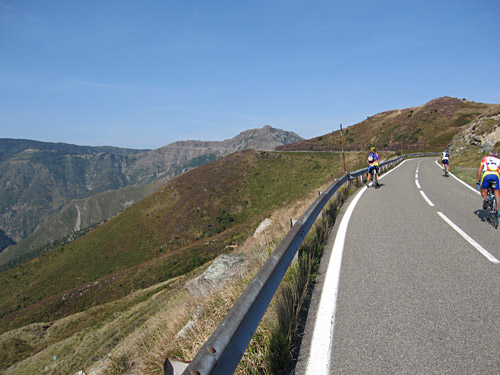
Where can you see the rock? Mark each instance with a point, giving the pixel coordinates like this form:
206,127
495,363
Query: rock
262,226
183,332
491,139
223,269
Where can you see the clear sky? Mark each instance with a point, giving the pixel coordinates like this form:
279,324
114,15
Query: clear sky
143,74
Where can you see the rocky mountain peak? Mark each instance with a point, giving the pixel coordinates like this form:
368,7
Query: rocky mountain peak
264,139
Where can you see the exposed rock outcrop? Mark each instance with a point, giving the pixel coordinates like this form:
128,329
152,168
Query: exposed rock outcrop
263,226
483,133
223,269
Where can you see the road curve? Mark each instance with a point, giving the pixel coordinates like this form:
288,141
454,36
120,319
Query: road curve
418,282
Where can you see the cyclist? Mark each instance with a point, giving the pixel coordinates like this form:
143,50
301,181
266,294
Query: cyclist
373,161
445,162
487,172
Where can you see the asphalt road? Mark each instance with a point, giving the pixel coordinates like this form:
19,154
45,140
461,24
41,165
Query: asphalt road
414,295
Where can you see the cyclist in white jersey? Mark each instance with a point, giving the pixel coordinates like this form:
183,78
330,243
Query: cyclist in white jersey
445,161
487,172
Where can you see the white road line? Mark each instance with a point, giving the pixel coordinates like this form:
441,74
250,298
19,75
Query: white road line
418,185
322,337
464,183
427,199
478,247
459,180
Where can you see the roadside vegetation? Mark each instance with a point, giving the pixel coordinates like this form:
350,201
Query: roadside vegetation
274,347
465,164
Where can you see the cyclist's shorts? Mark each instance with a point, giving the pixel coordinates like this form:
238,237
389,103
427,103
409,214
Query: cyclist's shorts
487,179
445,161
371,167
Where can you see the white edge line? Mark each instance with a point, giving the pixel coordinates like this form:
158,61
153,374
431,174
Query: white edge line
459,180
322,337
478,247
427,199
418,185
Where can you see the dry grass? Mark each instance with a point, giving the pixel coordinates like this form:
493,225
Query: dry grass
145,351
137,340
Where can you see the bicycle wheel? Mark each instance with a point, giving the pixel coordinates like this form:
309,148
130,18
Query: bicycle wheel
494,211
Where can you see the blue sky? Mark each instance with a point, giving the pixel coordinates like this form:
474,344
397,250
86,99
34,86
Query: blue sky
143,74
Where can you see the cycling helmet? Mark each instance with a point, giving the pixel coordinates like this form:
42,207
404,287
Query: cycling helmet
493,153
373,149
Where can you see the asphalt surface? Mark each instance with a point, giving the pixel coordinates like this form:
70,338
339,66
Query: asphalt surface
414,295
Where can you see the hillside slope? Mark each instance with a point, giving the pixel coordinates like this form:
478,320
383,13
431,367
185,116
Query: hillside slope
38,179
469,146
193,218
429,127
73,220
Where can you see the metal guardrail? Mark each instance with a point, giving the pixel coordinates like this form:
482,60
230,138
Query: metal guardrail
222,352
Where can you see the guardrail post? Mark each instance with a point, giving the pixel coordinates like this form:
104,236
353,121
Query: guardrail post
174,367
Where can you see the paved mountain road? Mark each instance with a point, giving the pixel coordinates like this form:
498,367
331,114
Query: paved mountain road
414,295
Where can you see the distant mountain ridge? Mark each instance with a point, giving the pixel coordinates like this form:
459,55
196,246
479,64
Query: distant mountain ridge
38,179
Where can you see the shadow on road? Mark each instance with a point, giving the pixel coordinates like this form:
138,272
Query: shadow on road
480,214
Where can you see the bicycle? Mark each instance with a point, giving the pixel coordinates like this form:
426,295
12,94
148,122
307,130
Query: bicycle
492,212
374,177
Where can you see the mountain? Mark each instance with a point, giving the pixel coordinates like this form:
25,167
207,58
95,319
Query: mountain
39,181
429,127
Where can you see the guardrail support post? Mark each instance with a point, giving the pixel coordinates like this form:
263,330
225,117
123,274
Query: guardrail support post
173,367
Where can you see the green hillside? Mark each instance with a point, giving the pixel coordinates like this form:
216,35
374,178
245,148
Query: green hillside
74,218
187,222
39,180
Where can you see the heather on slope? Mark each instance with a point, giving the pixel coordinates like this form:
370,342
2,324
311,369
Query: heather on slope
189,221
429,127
